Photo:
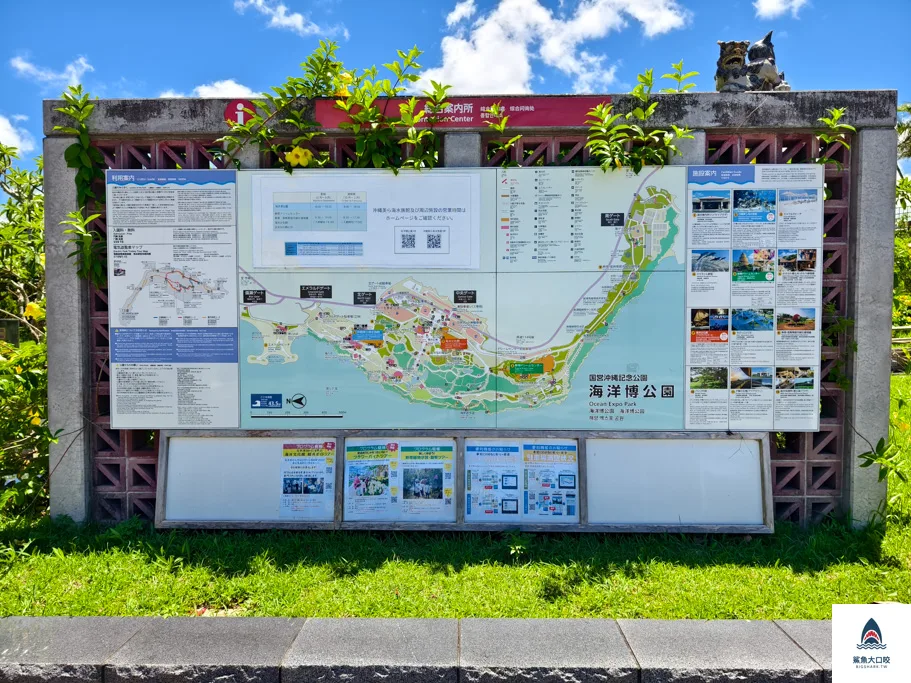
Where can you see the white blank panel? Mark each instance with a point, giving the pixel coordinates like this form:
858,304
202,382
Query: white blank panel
675,481
223,478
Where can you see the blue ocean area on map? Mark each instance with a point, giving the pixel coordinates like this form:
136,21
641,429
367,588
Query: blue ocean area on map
647,328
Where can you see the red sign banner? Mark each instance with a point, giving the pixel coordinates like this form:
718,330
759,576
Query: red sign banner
524,111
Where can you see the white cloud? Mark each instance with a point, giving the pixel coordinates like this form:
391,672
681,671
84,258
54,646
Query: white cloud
769,9
226,88
71,75
463,10
280,17
16,136
496,55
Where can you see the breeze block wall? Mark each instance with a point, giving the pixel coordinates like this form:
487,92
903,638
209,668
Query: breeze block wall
109,475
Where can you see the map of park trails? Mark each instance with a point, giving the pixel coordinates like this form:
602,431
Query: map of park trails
173,294
183,285
468,343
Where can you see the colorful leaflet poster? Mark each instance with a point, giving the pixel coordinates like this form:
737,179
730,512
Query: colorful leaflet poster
391,480
754,297
532,481
551,481
427,483
172,274
308,480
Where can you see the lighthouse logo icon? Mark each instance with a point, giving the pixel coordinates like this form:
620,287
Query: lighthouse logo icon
872,637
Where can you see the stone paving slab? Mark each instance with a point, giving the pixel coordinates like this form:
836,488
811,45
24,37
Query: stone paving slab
391,650
227,650
255,650
688,651
61,648
815,638
547,650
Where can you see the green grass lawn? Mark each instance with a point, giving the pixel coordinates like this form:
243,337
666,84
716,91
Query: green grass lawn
53,569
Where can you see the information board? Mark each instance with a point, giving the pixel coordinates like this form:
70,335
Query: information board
569,481
172,287
754,297
521,298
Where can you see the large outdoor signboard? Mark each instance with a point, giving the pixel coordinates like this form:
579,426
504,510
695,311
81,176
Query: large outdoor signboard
682,298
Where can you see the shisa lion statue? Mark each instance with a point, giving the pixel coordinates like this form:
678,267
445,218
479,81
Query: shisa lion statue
736,74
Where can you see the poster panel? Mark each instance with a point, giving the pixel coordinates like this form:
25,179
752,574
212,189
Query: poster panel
172,284
399,480
530,481
308,480
350,219
754,297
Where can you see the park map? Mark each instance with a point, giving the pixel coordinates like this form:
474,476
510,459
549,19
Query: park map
432,339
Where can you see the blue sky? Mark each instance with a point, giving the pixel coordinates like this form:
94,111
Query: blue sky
119,48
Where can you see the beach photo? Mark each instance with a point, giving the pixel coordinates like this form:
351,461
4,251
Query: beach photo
790,199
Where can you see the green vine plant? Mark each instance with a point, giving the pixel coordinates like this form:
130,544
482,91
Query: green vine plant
839,325
833,134
500,146
89,251
890,458
81,155
617,140
405,138
683,80
289,104
377,136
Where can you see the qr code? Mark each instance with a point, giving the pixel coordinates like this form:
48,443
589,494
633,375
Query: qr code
434,241
408,240
393,499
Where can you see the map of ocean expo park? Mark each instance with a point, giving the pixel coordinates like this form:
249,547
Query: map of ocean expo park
512,336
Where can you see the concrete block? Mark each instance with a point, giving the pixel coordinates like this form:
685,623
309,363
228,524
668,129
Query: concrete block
462,150
695,651
391,650
226,650
549,650
814,638
39,649
870,306
796,110
67,349
692,152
